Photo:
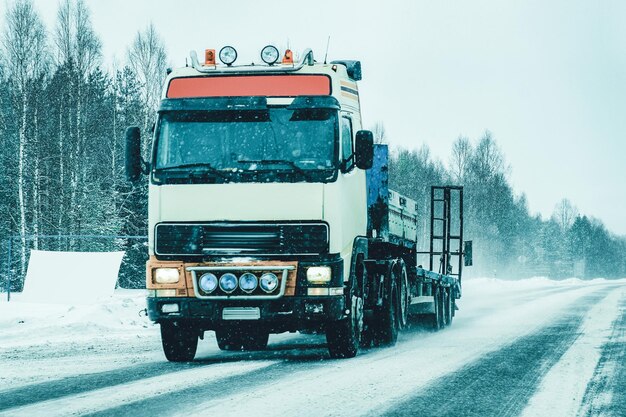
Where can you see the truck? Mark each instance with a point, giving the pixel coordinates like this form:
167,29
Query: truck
269,211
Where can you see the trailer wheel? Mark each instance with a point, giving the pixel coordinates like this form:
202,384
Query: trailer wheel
180,342
436,321
344,336
448,306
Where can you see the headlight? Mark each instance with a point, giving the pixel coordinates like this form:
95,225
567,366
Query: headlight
228,55
166,275
269,282
318,274
269,54
208,282
228,282
248,282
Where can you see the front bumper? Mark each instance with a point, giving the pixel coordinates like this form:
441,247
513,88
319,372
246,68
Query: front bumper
284,314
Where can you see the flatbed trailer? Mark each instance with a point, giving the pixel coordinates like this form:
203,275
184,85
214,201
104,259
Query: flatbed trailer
396,284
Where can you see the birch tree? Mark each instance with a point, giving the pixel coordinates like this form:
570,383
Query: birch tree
147,59
24,42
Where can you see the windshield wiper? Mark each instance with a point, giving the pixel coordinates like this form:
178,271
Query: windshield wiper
276,161
204,165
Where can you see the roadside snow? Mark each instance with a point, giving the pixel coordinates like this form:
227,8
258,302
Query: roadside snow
563,388
40,342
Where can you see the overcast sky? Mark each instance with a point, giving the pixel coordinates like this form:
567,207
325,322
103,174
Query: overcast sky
547,78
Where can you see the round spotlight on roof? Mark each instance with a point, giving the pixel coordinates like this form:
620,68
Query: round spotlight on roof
228,55
270,54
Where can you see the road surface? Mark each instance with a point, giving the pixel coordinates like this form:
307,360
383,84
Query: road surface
528,348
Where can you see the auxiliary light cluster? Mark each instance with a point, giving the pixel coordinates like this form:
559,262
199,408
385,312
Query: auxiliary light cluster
228,55
229,282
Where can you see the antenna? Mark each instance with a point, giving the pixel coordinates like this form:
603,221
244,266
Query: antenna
327,46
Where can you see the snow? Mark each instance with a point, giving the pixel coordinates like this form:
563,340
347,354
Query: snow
562,390
32,333
75,281
45,342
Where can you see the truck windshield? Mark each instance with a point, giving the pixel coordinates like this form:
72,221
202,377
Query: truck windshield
243,145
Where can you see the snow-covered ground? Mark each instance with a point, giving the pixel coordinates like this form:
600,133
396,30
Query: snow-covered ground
106,357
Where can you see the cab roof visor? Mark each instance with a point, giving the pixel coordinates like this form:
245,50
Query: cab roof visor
314,102
353,69
213,103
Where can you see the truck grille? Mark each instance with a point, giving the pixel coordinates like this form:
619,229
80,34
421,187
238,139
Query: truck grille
241,239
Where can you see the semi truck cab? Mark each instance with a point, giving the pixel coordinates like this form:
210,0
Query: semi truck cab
257,199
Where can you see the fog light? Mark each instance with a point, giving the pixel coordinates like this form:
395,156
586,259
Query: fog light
165,293
318,274
248,282
228,282
269,282
169,308
166,275
208,282
317,291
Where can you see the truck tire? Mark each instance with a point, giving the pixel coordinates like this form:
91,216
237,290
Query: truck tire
403,296
180,342
386,331
232,339
344,336
435,321
448,306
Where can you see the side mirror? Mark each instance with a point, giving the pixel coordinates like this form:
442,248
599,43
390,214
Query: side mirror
364,149
467,252
133,154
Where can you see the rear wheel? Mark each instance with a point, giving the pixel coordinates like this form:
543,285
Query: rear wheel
448,306
180,342
386,333
435,321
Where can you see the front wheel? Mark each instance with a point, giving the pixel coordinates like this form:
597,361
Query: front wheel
344,337
180,342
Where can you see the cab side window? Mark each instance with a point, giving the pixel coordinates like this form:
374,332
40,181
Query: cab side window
347,152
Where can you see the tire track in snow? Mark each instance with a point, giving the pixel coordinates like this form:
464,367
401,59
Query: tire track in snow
605,394
58,388
502,382
297,361
81,404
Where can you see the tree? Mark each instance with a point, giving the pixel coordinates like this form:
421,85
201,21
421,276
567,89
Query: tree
380,133
564,214
147,59
462,153
24,42
75,38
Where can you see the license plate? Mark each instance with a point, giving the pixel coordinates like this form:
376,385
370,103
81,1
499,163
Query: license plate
241,313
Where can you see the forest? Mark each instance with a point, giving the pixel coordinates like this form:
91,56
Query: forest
62,122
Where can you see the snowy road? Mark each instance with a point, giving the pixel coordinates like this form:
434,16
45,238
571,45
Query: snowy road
526,348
